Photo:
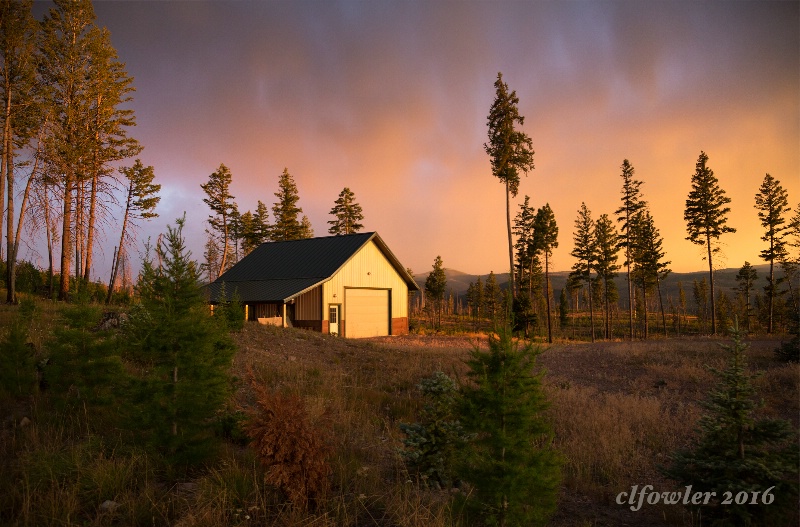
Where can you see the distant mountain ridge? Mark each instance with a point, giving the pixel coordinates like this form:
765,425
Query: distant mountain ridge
724,279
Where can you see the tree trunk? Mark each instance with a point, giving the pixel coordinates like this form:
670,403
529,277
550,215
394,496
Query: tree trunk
644,307
547,296
50,230
66,239
711,277
591,307
630,284
771,288
11,275
90,230
112,277
23,209
512,289
78,234
4,159
119,251
661,303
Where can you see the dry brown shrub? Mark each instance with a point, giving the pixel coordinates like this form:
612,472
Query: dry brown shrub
293,451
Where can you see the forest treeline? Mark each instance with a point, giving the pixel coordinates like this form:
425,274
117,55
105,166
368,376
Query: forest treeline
630,243
634,252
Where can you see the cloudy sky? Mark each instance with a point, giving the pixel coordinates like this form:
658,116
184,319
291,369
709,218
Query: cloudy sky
391,98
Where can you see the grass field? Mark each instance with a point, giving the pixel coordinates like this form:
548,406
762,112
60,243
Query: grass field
618,410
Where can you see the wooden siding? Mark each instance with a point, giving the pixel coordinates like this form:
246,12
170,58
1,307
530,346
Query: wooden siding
367,268
308,306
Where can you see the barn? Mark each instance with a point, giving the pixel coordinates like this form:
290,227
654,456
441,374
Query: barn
352,286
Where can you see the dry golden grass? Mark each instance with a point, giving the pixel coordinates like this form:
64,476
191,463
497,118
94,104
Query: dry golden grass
618,410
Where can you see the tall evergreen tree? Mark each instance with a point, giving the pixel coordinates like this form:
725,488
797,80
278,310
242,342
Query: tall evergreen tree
68,30
20,97
108,92
650,266
347,214
706,217
261,226
140,203
183,352
285,211
510,151
772,202
546,235
220,201
791,262
746,278
607,247
627,214
435,287
491,298
585,253
525,246
514,471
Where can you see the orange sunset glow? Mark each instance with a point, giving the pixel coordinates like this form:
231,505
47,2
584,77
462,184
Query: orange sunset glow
390,99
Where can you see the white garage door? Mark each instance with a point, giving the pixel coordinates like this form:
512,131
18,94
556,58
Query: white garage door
366,312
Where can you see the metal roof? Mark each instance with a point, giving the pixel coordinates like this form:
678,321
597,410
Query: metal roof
280,271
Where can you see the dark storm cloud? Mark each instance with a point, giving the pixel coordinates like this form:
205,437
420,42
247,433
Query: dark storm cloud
390,98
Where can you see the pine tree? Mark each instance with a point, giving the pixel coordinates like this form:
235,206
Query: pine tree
306,231
261,227
525,246
211,259
706,218
247,233
183,355
220,201
546,236
432,444
650,267
746,278
607,247
140,203
347,214
491,298
285,211
85,367
734,452
632,205
513,471
67,31
435,287
510,151
772,202
20,115
109,91
586,254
